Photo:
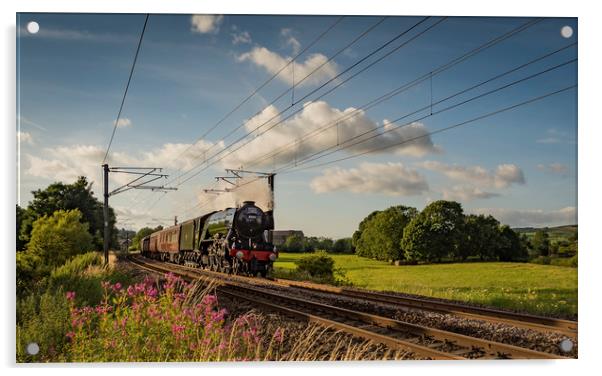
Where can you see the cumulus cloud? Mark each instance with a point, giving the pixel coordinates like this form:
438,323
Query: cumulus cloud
503,176
555,168
25,138
272,62
241,37
463,193
123,123
66,163
206,23
532,217
314,116
393,179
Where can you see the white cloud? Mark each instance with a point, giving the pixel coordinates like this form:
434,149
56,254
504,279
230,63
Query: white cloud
315,116
464,193
291,40
393,179
25,138
272,62
555,168
532,217
503,176
66,163
241,37
123,123
205,23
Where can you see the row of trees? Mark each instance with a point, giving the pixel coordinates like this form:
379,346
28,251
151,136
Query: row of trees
296,243
440,231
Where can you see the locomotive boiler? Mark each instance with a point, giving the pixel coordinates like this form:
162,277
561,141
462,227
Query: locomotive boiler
234,240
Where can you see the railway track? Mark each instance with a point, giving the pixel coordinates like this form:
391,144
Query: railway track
539,323
422,341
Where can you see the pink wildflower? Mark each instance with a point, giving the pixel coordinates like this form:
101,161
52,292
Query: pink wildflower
70,295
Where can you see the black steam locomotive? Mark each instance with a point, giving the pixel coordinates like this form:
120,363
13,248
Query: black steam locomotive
234,240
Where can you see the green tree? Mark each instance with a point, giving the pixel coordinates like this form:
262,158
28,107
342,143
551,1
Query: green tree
326,244
294,243
435,233
481,237
61,196
541,243
510,248
342,245
58,237
54,240
358,233
21,213
382,234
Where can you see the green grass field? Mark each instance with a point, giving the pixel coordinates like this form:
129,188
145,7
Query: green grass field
538,289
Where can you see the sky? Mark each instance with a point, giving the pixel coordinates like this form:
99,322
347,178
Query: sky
519,165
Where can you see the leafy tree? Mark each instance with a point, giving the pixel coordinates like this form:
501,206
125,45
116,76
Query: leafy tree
435,233
342,245
20,218
541,243
326,244
510,248
481,237
294,243
382,234
54,239
57,238
61,196
358,233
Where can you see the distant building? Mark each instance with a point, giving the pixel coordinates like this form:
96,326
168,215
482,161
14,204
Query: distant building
280,236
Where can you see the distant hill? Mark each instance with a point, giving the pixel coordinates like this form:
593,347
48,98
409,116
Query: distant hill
556,233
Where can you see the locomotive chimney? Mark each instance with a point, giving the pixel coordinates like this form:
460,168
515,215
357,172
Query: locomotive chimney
175,220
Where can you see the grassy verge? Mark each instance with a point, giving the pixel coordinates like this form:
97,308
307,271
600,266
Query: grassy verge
538,289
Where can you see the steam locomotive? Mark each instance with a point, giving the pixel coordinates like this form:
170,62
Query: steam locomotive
234,240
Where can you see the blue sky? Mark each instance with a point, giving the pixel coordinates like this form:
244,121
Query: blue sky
519,165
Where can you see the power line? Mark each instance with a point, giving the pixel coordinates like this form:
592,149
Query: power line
399,90
285,92
127,86
319,97
245,100
472,120
343,146
476,50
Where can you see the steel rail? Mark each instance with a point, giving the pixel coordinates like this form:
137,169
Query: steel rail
521,320
384,330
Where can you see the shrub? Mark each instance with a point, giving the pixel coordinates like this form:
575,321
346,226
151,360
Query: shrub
58,237
318,265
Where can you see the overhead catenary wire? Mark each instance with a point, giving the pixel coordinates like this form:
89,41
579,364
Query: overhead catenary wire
309,104
285,92
344,145
127,86
265,83
514,31
361,109
461,58
441,130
